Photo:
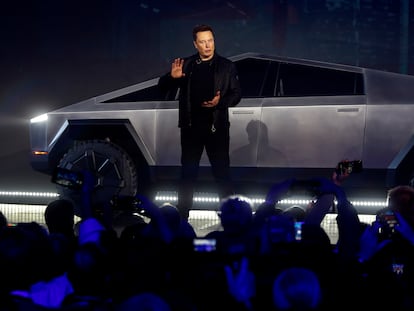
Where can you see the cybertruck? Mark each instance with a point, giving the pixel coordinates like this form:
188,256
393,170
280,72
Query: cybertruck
297,118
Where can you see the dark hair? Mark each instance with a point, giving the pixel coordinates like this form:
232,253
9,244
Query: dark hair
401,196
200,28
297,288
59,216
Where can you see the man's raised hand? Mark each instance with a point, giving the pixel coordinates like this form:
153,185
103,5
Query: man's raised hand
177,68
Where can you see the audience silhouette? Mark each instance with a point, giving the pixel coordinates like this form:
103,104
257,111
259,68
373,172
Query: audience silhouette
255,260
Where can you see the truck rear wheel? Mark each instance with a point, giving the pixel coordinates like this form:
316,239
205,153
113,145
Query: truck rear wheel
113,168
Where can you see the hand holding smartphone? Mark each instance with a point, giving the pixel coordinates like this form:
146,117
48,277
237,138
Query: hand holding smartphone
348,167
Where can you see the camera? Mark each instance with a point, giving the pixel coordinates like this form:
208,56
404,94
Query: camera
67,178
348,167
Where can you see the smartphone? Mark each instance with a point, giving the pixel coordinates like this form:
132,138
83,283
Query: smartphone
298,230
128,203
201,245
348,167
388,221
67,178
280,228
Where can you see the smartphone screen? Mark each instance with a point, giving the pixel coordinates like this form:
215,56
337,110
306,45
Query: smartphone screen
204,245
67,178
348,167
298,230
388,221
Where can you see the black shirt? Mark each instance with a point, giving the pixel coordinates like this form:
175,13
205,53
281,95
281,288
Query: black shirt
202,89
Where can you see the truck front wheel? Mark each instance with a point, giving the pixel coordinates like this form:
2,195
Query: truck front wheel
112,167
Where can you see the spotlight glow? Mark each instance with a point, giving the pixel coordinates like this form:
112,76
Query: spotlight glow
41,118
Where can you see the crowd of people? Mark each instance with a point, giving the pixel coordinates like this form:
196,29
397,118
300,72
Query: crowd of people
256,260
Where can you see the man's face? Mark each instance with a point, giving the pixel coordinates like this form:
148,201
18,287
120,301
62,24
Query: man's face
205,44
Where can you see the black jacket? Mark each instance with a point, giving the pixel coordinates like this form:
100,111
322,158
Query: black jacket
225,80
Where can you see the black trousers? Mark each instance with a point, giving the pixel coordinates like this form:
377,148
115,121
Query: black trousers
193,142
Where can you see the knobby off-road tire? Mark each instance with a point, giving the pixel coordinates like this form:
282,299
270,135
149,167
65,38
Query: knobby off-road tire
113,168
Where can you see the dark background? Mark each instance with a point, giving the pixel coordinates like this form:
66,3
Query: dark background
55,53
